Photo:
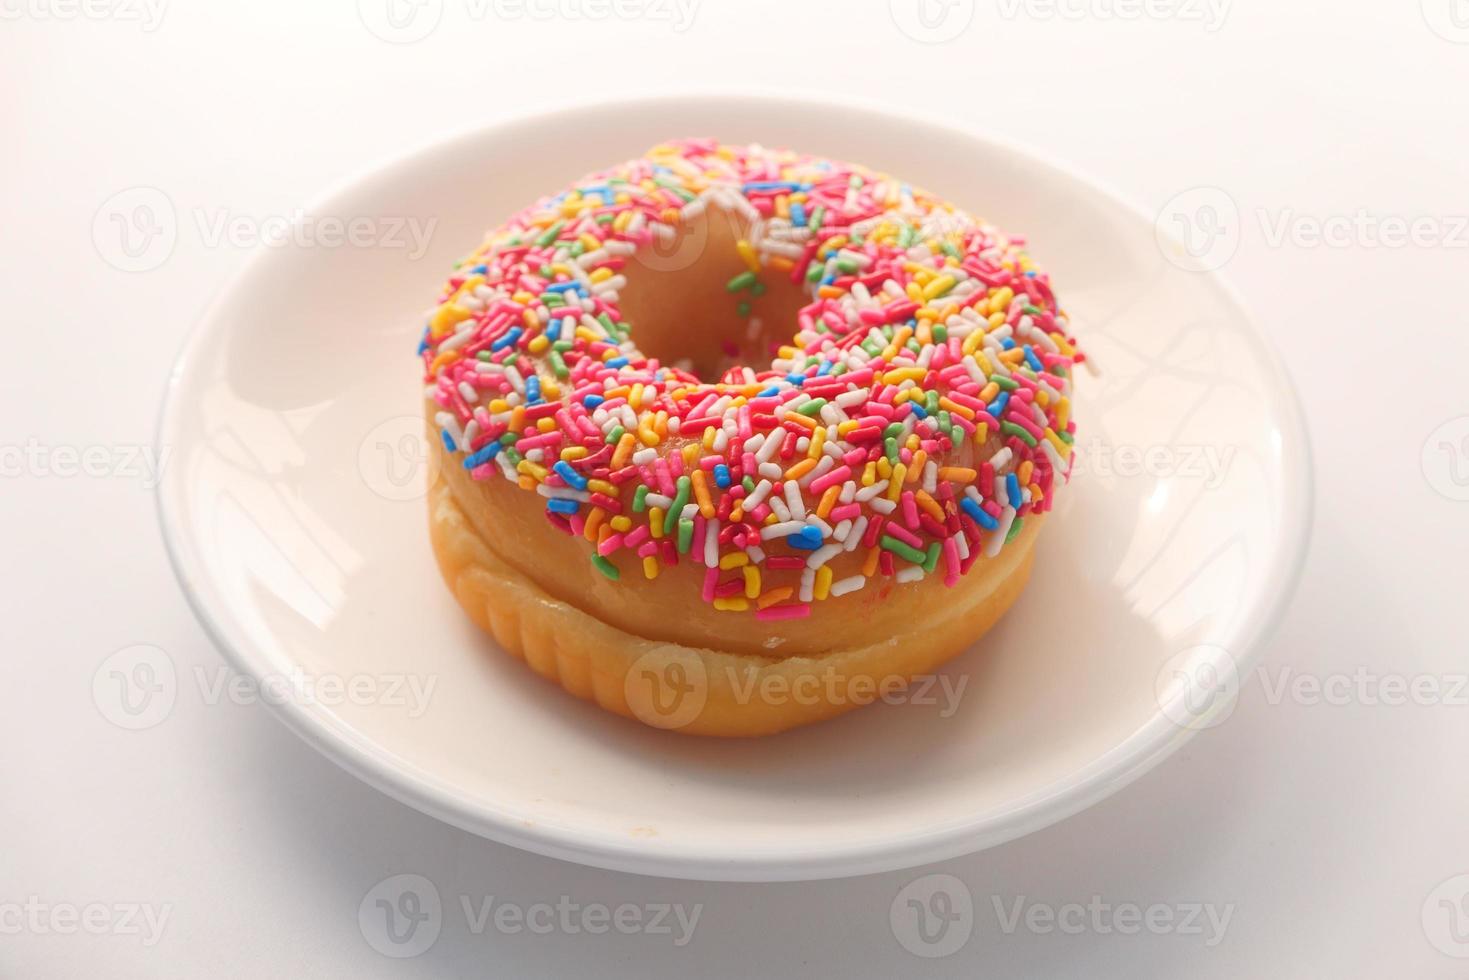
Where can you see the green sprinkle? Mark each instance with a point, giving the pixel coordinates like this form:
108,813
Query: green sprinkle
931,560
893,430
1010,428
758,289
814,273
940,333
606,567
890,448
615,435
848,266
1005,383
681,498
1014,529
558,365
563,345
685,535
812,408
549,235
748,484
1034,310
744,309
640,498
903,550
744,280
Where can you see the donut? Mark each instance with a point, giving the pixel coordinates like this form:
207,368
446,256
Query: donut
730,439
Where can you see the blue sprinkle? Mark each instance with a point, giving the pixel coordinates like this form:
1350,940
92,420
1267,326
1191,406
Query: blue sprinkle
508,339
571,476
1032,360
1008,343
721,476
481,269
483,456
448,440
826,368
918,410
592,401
997,407
768,392
618,362
559,506
532,390
553,332
796,379
798,214
980,515
423,345
807,539
562,287
1012,489
772,185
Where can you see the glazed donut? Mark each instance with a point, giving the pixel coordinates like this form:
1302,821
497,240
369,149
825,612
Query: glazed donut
732,439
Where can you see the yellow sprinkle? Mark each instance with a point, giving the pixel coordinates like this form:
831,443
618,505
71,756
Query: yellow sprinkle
573,452
818,442
539,344
534,470
747,252
821,588
545,425
735,604
1063,412
869,474
602,487
735,559
939,286
621,523
895,486
445,317
650,567
655,521
752,582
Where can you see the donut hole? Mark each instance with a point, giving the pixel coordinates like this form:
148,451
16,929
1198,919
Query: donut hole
681,310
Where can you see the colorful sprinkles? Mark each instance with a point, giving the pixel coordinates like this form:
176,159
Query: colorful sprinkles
920,412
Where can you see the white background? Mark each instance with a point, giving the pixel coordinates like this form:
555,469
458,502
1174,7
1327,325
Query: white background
1323,828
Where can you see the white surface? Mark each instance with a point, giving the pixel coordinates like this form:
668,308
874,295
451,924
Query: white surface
281,511
1331,828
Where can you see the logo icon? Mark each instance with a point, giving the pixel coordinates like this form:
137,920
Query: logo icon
933,916
136,687
401,916
932,21
1199,229
135,230
676,247
1198,687
394,457
1446,917
667,687
1449,19
400,21
1446,459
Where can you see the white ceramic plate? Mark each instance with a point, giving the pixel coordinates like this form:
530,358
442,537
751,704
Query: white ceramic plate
294,515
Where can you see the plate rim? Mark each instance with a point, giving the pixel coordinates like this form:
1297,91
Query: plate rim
1123,763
